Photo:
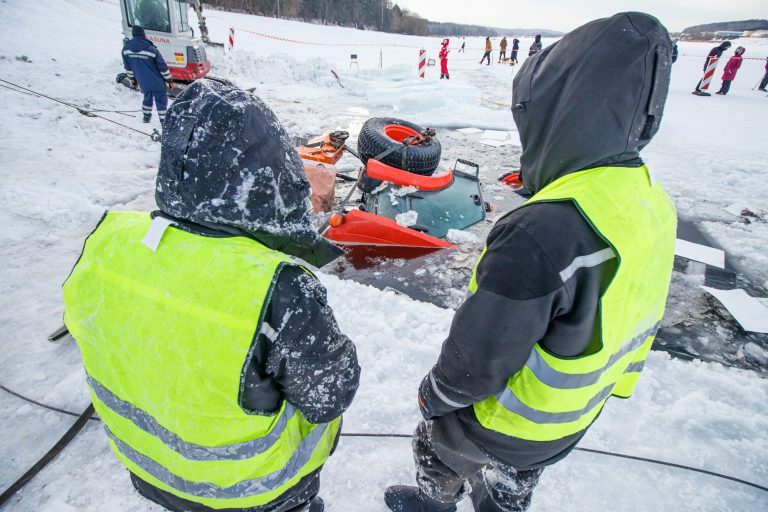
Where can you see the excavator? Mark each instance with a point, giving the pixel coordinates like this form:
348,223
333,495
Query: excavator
166,24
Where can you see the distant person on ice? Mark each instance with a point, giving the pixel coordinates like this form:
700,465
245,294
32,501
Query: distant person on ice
147,69
488,50
566,299
503,49
764,81
463,46
729,73
714,53
513,53
535,47
444,59
212,357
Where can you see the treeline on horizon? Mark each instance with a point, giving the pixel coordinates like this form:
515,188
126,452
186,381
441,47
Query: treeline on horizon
383,15
735,26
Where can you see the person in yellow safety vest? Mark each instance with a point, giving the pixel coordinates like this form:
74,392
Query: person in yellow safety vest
566,299
213,358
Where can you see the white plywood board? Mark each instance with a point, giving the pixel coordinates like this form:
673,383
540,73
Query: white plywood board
494,143
747,310
496,134
702,253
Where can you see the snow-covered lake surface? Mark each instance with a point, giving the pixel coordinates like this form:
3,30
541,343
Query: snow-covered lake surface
59,171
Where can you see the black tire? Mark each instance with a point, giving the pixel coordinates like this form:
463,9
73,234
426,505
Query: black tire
419,159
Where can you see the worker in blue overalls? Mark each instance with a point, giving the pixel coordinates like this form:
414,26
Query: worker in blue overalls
147,69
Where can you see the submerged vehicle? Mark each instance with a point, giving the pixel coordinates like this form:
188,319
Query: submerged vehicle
405,200
167,26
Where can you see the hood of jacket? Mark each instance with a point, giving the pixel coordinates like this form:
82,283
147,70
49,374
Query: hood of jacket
226,161
594,98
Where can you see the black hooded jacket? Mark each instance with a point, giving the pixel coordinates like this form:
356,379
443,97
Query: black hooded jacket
228,169
717,51
595,98
535,47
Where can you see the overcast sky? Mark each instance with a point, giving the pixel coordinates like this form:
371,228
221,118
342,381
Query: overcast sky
565,15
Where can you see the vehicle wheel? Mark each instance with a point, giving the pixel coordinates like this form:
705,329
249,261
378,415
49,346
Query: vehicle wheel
380,134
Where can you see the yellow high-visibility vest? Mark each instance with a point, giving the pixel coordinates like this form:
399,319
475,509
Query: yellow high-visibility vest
166,337
553,397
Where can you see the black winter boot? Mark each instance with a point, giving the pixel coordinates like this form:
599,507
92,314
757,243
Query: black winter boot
316,505
408,498
147,118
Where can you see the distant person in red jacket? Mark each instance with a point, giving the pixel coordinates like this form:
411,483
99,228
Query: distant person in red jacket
764,81
729,74
444,59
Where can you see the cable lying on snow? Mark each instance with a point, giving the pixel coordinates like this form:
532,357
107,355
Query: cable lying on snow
88,415
155,135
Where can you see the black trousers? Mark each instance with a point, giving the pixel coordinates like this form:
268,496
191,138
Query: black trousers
486,55
725,87
764,82
446,460
295,499
502,55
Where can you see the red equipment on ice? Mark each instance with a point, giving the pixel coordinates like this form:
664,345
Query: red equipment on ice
362,228
441,202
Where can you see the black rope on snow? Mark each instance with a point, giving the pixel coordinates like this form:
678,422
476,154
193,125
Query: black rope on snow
409,436
62,443
155,136
673,465
40,404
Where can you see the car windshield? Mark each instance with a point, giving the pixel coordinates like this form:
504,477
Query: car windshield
149,14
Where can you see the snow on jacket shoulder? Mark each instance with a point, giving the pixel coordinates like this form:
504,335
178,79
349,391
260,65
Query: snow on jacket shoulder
732,67
144,63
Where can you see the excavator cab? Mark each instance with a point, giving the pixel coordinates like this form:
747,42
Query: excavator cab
166,23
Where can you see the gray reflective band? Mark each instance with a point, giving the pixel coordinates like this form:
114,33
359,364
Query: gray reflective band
560,380
191,451
590,260
268,331
510,402
440,394
508,399
251,487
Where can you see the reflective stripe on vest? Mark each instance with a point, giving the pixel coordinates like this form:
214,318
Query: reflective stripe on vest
268,483
150,425
165,338
552,397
